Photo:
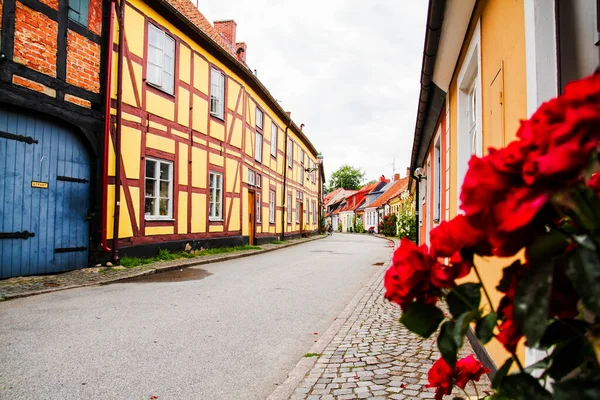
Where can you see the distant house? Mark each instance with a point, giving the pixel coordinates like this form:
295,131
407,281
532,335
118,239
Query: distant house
348,212
331,202
381,207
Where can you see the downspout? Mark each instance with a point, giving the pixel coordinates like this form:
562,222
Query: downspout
115,249
107,97
285,168
418,183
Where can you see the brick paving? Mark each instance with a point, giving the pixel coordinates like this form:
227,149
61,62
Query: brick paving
30,285
373,356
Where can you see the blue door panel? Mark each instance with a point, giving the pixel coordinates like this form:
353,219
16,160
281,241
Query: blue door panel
57,215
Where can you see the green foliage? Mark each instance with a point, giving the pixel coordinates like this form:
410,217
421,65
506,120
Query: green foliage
358,225
407,223
422,319
339,227
387,226
346,177
166,255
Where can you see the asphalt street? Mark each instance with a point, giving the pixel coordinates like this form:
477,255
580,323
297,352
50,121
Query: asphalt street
230,330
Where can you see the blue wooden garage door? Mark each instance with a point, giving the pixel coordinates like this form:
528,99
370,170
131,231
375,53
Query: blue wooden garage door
44,197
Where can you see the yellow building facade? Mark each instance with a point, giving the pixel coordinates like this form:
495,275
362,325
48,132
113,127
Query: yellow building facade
206,155
488,64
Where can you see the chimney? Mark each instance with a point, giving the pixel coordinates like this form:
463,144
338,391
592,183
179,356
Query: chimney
396,177
407,171
227,29
240,49
382,178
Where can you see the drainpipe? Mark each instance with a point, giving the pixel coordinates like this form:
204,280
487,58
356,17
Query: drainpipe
115,249
285,168
104,217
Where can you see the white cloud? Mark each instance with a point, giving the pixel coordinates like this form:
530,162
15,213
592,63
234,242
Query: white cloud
348,69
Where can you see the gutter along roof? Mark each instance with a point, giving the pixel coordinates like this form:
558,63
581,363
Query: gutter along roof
190,20
431,97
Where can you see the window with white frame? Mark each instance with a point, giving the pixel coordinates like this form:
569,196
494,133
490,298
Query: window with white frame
290,153
258,180
258,147
161,59
217,93
215,201
298,202
258,207
437,181
289,209
274,132
251,177
259,118
314,210
271,206
158,203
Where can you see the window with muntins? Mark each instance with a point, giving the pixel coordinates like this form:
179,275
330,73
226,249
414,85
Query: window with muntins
289,209
290,153
259,118
78,11
158,203
274,139
258,207
258,147
314,210
161,59
251,177
271,206
217,93
215,201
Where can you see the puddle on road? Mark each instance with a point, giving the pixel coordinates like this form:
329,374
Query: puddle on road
378,264
178,275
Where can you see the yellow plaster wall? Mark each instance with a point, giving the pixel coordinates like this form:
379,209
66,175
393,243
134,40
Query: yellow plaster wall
183,107
200,114
135,198
244,207
217,130
131,140
135,25
183,164
160,106
125,229
216,159
182,218
111,157
233,90
198,168
215,228
234,223
160,143
185,58
199,212
236,136
159,230
200,74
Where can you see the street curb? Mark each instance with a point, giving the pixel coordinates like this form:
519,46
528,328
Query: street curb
287,388
184,264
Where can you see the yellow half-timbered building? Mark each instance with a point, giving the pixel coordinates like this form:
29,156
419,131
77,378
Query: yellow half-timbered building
201,152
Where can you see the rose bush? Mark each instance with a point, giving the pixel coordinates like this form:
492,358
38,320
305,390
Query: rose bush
540,194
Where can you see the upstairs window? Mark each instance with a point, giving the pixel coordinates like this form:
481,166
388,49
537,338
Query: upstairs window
217,93
290,153
274,140
258,147
251,177
161,60
259,118
78,11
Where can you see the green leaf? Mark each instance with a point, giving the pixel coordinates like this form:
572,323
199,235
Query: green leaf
507,273
499,376
523,387
583,269
567,356
446,343
484,330
547,245
561,331
462,325
577,389
532,300
422,319
542,364
463,298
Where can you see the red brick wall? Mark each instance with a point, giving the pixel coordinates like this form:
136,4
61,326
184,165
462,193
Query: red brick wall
227,28
95,16
35,40
50,3
83,62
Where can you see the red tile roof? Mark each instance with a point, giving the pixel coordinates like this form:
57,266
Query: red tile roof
354,201
397,187
331,195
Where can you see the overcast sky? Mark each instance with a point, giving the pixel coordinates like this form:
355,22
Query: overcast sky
346,69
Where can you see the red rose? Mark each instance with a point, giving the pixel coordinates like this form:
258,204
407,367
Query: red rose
585,91
519,207
469,369
452,236
509,335
443,276
594,183
440,377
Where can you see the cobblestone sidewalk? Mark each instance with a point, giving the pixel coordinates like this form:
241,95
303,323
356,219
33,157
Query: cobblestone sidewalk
30,285
373,356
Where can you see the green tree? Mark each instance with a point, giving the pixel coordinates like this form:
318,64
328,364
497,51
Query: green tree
346,177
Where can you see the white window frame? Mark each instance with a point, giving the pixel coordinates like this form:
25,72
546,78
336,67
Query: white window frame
258,181
258,146
260,116
165,80
217,93
274,131
258,206
437,178
469,81
298,201
314,203
272,195
156,215
289,209
290,154
251,178
212,206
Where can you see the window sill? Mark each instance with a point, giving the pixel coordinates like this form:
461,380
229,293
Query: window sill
216,220
160,89
220,118
159,219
